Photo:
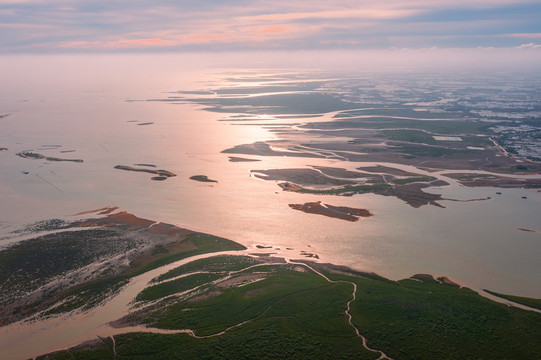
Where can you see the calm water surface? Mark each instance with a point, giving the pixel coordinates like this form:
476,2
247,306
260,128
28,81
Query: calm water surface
80,103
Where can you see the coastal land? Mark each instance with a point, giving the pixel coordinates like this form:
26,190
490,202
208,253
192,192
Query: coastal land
202,178
199,296
107,284
338,212
36,156
161,174
419,141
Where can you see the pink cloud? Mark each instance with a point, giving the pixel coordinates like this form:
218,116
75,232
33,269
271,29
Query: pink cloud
206,38
525,35
274,29
369,14
114,44
340,42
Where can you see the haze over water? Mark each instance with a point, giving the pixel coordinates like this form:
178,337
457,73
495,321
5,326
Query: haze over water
97,106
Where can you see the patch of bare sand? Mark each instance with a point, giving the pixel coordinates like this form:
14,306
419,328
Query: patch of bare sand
239,280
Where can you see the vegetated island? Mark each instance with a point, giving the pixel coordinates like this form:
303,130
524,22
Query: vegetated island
341,182
240,305
3,149
145,123
202,178
161,174
486,180
338,212
36,156
336,181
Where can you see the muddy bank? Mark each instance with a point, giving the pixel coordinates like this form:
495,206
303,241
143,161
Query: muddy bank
337,212
161,173
36,156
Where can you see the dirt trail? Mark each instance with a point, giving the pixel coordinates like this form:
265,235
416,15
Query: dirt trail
348,307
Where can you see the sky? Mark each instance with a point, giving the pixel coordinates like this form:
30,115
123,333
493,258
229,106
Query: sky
56,26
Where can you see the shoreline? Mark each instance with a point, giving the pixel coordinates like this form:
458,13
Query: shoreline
111,216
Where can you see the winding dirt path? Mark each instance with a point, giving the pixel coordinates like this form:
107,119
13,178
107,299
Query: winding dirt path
192,333
348,307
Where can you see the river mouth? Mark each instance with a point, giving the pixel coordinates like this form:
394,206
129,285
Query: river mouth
446,195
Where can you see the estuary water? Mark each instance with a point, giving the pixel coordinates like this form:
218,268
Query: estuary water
96,109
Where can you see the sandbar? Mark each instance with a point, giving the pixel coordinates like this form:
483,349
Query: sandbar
527,230
36,156
202,178
160,173
241,159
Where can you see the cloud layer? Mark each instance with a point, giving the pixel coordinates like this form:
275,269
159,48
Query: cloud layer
101,25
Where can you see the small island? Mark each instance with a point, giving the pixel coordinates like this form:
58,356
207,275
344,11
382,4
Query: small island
36,156
337,212
241,159
202,178
161,174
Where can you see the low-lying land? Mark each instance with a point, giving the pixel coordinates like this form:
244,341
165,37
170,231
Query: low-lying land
202,178
533,303
36,156
241,159
489,180
243,307
78,264
162,174
338,212
336,181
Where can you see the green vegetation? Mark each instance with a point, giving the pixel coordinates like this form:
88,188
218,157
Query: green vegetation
30,264
91,293
216,263
442,127
413,179
465,176
200,244
430,320
174,286
359,189
270,297
293,314
414,136
429,151
533,303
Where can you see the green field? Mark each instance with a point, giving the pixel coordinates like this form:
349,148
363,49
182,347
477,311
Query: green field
413,179
294,313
